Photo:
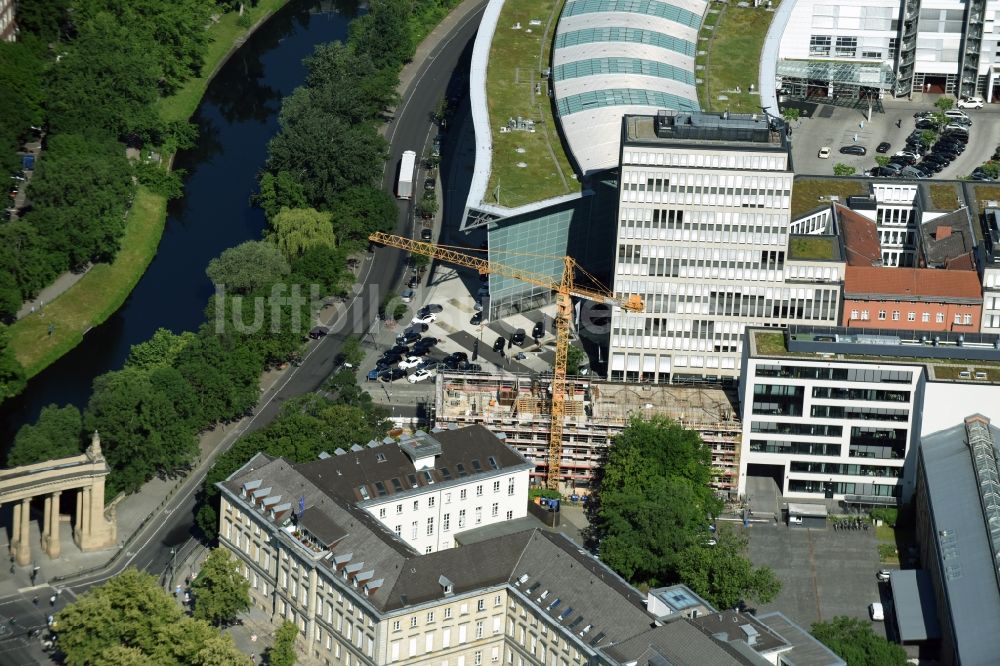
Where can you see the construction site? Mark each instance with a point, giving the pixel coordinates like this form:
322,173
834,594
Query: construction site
517,407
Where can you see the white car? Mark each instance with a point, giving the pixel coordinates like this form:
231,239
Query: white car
410,362
883,575
970,103
876,612
419,376
427,318
824,152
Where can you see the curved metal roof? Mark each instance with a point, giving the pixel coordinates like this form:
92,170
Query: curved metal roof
616,57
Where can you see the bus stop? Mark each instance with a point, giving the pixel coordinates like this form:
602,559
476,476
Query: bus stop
807,515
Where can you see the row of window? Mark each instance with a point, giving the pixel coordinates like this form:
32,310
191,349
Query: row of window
462,495
871,375
925,317
446,521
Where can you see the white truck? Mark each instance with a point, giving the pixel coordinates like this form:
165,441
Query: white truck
404,189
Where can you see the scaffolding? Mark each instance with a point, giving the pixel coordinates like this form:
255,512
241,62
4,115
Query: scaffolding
516,407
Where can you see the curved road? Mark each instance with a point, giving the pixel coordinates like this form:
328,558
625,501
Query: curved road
151,549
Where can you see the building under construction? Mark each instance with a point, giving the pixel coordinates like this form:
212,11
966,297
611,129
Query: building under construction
517,408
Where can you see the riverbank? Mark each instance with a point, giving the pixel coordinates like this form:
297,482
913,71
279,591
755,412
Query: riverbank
41,338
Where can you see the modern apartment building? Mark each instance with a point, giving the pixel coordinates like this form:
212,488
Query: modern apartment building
8,28
991,271
703,234
363,595
517,409
936,46
836,413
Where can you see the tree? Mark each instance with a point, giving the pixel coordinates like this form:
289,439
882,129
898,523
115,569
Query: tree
56,434
279,190
295,230
352,350
723,575
132,620
944,103
790,114
220,590
575,357
248,267
12,379
882,160
282,653
160,351
854,641
992,169
428,205
358,211
324,266
843,170
927,137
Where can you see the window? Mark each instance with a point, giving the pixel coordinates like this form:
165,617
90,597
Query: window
447,613
481,605
881,315
446,523
462,494
855,314
430,526
895,315
477,657
447,498
939,318
395,625
430,502
430,616
416,505
381,512
429,642
497,600
864,315
510,515
428,550
925,317
958,319
847,47
911,316
413,530
479,628
413,621
461,518
399,530
819,45
479,515
967,319
496,486
495,510
399,509
479,491
510,486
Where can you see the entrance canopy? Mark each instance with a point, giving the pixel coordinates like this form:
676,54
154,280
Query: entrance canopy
861,75
807,510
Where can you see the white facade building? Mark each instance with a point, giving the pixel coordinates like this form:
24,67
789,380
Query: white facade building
703,226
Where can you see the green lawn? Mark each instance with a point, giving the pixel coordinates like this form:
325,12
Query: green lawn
811,247
733,57
517,58
102,291
806,192
770,343
944,197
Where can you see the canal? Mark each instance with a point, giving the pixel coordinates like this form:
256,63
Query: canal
236,118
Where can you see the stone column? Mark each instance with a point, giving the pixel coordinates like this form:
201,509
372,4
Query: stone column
46,523
15,532
78,522
85,523
23,545
55,547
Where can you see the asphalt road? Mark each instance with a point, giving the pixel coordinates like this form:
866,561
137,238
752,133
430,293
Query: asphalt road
174,527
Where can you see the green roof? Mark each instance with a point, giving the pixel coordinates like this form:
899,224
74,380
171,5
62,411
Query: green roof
813,247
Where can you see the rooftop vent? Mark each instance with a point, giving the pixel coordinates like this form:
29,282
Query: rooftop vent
357,447
339,451
520,581
751,633
421,449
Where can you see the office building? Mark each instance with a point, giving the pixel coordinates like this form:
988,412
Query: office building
931,46
517,409
8,28
836,413
361,594
703,237
991,271
957,513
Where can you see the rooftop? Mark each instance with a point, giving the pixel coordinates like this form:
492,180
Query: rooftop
807,247
911,284
612,58
807,193
806,650
916,609
753,131
949,466
860,237
948,241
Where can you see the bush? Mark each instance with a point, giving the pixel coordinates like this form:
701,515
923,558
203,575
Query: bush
886,515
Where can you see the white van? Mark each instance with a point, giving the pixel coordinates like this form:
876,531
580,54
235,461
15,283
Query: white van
955,113
876,612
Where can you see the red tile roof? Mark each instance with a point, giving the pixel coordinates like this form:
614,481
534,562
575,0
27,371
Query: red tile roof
861,243
910,283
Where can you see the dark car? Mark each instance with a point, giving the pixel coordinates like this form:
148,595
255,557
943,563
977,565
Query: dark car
413,282
426,234
450,363
429,184
469,367
853,150
407,338
518,337
499,344
425,343
883,147
982,177
402,350
392,374
374,373
429,308
923,114
902,159
461,357
388,361
318,332
926,123
477,319
538,330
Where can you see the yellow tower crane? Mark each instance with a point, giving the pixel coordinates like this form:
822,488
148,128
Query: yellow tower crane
564,287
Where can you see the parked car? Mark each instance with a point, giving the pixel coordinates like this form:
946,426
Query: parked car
853,150
477,319
420,375
970,103
428,318
407,295
518,337
413,282
408,337
425,343
461,357
883,147
907,153
318,332
876,612
824,152
410,362
882,575
957,128
429,364
431,307
923,114
373,374
538,330
499,344
955,113
981,176
391,375
912,172
426,234
902,159
926,123
402,350
388,359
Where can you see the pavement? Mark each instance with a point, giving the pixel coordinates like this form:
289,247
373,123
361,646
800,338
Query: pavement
838,126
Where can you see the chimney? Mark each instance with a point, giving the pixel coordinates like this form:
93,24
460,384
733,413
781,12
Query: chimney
942,232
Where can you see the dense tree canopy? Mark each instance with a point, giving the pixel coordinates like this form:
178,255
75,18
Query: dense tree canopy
248,267
854,641
295,230
220,590
132,620
282,653
56,434
653,508
12,379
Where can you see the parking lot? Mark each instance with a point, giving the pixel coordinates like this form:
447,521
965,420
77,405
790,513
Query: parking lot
836,127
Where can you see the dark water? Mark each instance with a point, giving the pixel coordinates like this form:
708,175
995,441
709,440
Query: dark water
236,118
